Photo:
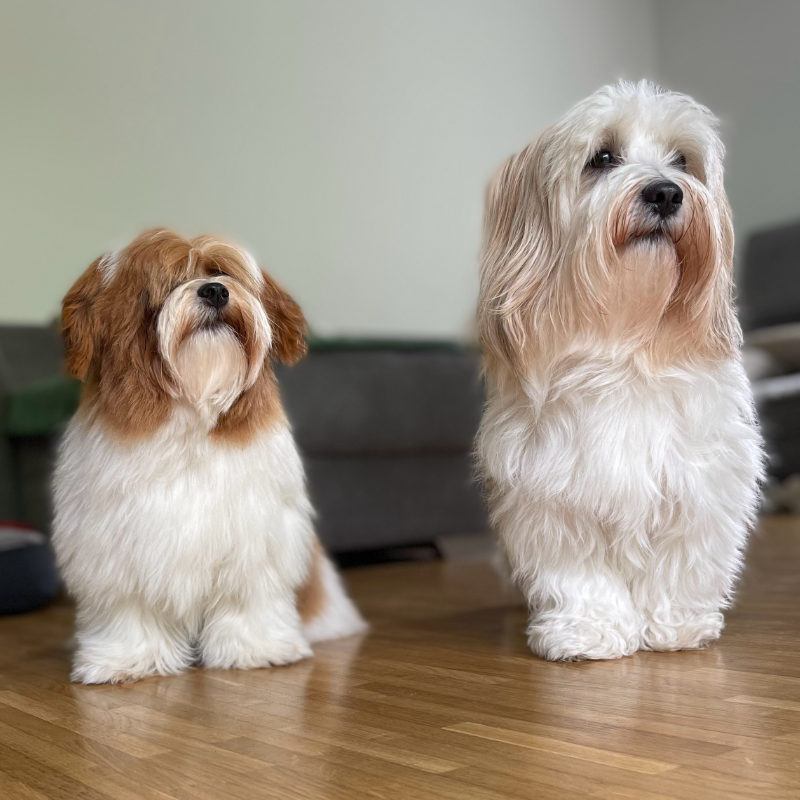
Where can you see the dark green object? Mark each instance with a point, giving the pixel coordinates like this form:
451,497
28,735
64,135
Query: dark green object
41,408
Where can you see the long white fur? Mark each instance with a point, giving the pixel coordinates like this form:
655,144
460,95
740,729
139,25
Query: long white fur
177,539
181,548
622,490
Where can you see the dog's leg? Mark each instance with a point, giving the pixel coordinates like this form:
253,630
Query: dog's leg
583,613
125,641
580,604
689,582
581,607
261,629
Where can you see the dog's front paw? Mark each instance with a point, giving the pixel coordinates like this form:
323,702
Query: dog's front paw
101,673
280,652
92,672
232,653
685,630
569,638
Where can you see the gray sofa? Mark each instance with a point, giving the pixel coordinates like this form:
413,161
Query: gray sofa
30,360
386,432
385,429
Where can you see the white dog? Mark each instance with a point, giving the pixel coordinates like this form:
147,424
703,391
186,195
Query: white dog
182,524
619,444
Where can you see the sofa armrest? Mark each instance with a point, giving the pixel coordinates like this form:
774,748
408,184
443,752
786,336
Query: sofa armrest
780,342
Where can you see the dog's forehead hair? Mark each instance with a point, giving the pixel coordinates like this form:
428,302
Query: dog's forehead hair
641,121
161,259
657,128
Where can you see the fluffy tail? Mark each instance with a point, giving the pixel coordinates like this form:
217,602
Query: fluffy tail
325,608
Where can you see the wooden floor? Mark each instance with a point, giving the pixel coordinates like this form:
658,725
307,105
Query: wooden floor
441,700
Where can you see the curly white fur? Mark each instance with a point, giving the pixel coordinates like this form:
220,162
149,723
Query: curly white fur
619,443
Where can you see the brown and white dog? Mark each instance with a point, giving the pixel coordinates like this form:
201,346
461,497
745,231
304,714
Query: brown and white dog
182,523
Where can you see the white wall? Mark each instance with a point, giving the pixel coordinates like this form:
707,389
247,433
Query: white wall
348,143
742,58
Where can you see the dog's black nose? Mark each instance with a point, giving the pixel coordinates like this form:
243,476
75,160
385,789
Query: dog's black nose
663,197
213,294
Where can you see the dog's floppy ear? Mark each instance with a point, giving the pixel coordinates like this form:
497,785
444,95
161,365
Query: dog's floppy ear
516,256
80,326
286,321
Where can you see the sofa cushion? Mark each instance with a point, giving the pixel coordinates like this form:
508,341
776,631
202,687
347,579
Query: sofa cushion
781,343
384,401
371,502
28,577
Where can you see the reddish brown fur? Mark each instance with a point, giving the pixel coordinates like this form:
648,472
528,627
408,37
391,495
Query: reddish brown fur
111,340
256,409
698,322
311,595
288,323
79,327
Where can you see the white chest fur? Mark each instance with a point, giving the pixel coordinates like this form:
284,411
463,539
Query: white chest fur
622,445
179,517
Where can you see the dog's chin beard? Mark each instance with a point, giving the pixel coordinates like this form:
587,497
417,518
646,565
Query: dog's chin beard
643,286
212,320
658,236
211,368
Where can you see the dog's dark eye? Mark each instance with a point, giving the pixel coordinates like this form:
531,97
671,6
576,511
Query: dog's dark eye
603,159
679,161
